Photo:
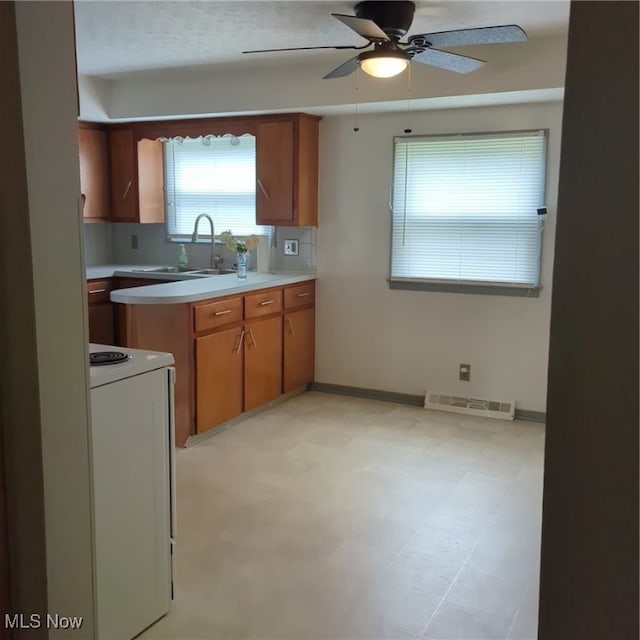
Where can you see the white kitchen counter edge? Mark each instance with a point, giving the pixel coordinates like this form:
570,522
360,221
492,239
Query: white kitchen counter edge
205,288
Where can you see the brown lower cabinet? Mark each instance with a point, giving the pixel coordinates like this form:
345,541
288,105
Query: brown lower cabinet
262,361
232,354
299,348
218,377
101,314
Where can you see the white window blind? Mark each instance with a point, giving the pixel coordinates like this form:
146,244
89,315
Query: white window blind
213,175
464,208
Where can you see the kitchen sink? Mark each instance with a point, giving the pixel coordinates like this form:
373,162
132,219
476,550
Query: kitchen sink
165,270
212,272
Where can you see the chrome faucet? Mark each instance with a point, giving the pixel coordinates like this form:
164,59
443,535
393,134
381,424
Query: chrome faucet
194,236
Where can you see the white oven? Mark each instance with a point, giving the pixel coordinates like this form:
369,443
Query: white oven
132,445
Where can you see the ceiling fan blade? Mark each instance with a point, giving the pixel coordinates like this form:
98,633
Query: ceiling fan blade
481,35
344,69
304,48
447,60
363,26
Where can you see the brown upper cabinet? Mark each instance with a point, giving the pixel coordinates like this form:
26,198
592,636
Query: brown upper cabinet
126,162
137,178
287,172
94,176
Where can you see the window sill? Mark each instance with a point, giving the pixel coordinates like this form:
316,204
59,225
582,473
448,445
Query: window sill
465,287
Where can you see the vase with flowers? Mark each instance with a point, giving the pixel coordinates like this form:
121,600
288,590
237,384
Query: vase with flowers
241,249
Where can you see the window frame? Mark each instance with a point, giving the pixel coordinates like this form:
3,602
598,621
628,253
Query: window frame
204,235
469,286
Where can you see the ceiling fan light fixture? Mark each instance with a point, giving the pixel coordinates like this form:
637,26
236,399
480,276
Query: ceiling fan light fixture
384,64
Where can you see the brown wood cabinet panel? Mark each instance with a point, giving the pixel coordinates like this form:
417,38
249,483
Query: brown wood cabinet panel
307,167
299,349
263,303
124,282
262,361
94,173
300,295
167,327
218,378
150,181
98,291
287,171
101,324
137,178
213,315
101,312
274,173
124,176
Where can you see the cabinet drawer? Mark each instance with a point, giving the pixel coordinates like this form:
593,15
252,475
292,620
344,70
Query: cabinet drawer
299,296
98,291
217,314
263,303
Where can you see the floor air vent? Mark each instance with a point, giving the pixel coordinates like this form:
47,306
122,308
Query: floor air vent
471,406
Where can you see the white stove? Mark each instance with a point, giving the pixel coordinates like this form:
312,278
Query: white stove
138,361
132,462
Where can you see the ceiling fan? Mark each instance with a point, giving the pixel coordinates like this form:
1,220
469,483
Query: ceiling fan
384,22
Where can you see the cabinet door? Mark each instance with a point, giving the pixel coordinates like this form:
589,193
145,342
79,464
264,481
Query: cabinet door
218,378
299,348
101,324
137,178
124,176
262,361
92,147
274,173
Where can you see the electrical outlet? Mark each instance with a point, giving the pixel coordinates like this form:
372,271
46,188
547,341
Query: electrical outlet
290,247
134,241
465,372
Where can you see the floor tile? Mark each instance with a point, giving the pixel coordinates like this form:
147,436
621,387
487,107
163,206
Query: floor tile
330,517
454,621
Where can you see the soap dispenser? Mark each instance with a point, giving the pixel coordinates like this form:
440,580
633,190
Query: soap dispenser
183,258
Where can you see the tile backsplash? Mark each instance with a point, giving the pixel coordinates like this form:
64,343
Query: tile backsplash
124,243
98,243
307,247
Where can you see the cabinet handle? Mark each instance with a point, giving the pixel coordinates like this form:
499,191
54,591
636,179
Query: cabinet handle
221,313
253,339
237,349
96,291
302,295
126,191
264,191
264,303
291,329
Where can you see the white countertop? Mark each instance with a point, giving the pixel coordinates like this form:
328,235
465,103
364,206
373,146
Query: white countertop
194,289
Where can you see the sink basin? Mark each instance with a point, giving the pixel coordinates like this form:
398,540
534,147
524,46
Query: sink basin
212,272
165,270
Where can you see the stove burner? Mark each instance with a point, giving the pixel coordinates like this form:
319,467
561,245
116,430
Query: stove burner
100,358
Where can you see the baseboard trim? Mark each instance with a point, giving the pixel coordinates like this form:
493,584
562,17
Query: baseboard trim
371,394
403,398
531,416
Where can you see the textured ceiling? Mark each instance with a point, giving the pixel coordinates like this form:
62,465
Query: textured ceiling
117,37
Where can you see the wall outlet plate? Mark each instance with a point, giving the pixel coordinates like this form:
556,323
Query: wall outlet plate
290,247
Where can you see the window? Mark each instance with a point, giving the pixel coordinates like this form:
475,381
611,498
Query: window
213,175
464,210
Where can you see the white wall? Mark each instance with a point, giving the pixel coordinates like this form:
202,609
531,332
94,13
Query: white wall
407,341
298,86
48,91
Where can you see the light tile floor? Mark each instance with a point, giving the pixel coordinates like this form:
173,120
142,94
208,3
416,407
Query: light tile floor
336,517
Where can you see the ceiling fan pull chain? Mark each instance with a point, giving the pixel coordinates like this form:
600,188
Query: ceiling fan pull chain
356,128
408,129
